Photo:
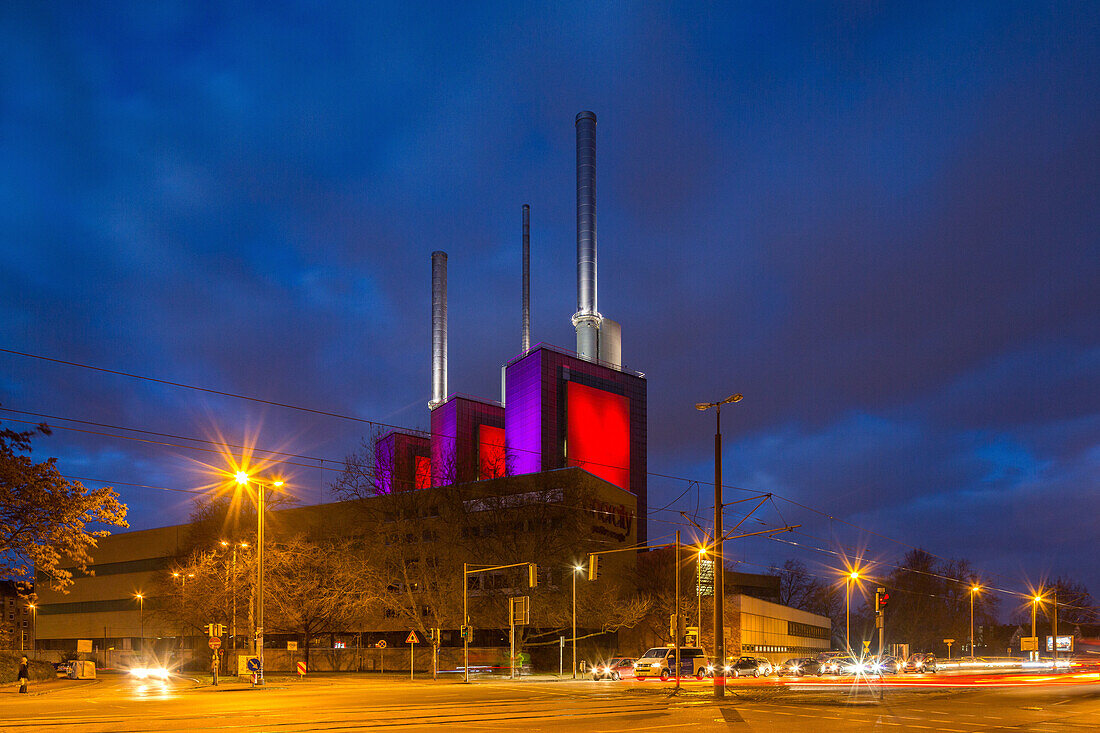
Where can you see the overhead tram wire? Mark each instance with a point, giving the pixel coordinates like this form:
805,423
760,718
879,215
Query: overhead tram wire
274,403
327,413
164,435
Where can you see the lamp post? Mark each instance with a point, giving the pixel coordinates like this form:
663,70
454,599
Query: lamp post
34,627
141,616
973,591
231,587
182,578
1034,634
576,569
854,575
699,592
243,479
719,556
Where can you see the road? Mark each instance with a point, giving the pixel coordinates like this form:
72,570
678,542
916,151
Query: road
1063,704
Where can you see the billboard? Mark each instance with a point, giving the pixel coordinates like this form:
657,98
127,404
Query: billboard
598,433
1065,643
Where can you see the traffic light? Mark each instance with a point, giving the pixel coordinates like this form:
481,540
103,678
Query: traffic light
464,631
593,566
881,599
532,575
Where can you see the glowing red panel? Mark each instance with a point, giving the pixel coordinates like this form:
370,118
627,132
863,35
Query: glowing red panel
423,478
598,433
490,452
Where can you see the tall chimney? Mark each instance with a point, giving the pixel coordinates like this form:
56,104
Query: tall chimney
587,319
439,329
527,279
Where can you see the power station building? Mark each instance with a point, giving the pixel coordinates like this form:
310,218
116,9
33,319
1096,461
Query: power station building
558,408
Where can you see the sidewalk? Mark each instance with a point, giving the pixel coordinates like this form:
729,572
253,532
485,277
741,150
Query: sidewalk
44,687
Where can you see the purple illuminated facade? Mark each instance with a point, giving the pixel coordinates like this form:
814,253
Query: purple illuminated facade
536,417
456,439
395,460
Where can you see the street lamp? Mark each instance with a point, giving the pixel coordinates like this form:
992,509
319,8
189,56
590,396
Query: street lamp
854,575
1034,635
231,587
34,627
141,615
973,591
243,479
719,556
699,592
576,569
182,578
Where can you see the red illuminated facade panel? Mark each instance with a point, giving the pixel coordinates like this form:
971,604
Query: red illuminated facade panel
598,433
423,479
491,455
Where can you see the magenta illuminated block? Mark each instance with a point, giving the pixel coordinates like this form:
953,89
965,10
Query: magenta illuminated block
523,413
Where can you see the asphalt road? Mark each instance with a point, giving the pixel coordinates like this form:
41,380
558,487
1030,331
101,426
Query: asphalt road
1062,704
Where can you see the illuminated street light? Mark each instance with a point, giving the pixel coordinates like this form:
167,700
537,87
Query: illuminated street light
854,575
973,592
719,571
576,569
34,626
243,479
141,615
1034,634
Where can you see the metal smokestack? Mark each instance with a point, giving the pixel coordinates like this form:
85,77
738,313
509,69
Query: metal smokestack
439,329
526,278
587,319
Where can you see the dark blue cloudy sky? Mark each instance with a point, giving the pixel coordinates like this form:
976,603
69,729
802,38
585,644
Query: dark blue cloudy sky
877,221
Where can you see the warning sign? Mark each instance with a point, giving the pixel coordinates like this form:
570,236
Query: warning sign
412,638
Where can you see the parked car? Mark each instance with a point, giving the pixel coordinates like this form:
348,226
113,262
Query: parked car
614,669
661,662
749,666
920,662
797,667
886,664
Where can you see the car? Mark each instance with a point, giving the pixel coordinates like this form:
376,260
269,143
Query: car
797,667
749,667
830,664
614,669
920,662
886,664
661,661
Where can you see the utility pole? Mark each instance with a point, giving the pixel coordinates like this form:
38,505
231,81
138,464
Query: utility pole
676,616
719,555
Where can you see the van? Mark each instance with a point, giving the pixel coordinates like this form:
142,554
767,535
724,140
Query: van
661,661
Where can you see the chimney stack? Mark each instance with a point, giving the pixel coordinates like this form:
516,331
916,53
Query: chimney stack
526,341
587,319
439,329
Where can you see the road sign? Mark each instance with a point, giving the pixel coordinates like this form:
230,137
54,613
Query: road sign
301,669
292,646
381,644
521,610
948,641
412,638
215,642
1029,643
254,664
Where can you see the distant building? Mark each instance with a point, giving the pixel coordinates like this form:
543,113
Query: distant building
16,615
